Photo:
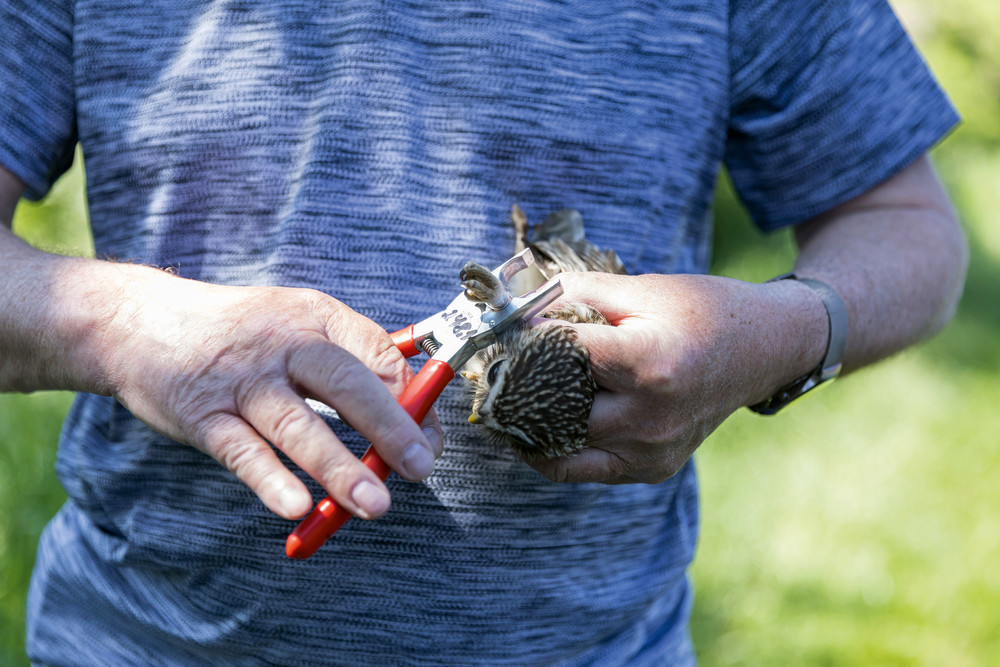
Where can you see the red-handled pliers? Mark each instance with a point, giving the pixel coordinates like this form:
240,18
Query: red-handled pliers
450,337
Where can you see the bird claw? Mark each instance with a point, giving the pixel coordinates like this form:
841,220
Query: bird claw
481,286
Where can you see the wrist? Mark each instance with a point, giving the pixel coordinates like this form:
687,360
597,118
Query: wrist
56,314
793,341
836,340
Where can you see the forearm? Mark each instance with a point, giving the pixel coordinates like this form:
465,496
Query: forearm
46,326
54,317
222,368
897,256
63,319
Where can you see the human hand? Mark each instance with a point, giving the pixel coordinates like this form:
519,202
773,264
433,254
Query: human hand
227,370
684,352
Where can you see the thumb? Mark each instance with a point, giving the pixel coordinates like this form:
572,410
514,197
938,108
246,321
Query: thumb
615,296
615,354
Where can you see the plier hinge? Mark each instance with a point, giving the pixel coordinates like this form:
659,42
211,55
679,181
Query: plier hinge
450,337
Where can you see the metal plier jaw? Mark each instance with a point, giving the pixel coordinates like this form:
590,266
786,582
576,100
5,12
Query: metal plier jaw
456,333
450,337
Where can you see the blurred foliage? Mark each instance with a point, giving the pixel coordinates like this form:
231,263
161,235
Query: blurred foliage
29,424
59,223
859,528
29,496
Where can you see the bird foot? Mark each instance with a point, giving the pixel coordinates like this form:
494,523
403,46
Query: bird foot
481,286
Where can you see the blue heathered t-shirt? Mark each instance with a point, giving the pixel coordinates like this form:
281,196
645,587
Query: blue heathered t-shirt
368,149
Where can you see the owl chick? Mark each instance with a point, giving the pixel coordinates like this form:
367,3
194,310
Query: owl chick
534,388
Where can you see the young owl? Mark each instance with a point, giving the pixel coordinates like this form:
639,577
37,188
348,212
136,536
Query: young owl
534,388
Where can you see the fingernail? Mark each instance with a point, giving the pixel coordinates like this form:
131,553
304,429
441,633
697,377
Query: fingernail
417,462
435,439
292,503
370,499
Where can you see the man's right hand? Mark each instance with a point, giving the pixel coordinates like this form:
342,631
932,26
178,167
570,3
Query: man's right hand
224,369
227,370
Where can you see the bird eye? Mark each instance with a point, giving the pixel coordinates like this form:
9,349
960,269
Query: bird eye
491,372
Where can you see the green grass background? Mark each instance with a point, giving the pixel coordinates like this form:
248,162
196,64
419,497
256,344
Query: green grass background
861,527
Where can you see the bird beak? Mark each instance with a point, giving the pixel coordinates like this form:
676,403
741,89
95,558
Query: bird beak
474,418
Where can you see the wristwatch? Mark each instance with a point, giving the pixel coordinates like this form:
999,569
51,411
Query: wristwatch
829,368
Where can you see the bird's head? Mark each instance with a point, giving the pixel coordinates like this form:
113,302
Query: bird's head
534,390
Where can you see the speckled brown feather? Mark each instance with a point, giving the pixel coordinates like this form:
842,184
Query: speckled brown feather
534,389
560,244
540,397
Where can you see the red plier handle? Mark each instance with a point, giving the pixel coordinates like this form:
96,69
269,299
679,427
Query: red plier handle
418,397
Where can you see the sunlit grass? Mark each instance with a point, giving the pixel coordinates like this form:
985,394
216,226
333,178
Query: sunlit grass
859,529
29,496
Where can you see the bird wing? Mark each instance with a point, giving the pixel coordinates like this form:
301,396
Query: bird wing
560,244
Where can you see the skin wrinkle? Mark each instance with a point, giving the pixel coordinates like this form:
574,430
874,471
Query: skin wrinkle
181,391
102,333
213,427
244,456
387,361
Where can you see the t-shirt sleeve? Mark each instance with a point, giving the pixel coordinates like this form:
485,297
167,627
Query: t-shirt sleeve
37,102
829,99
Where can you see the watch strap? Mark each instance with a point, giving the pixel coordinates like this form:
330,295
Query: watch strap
829,368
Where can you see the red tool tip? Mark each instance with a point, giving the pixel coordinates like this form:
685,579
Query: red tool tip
325,519
293,547
304,543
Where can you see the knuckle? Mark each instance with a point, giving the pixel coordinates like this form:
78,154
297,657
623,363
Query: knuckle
336,475
338,319
242,457
343,371
209,433
321,307
322,365
650,369
288,424
556,471
658,377
298,296
387,361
